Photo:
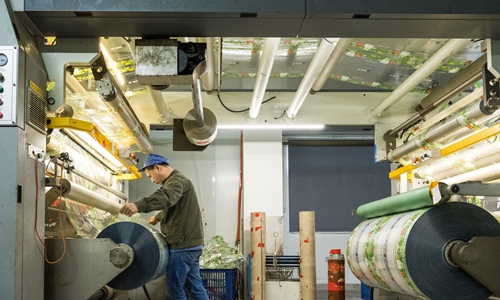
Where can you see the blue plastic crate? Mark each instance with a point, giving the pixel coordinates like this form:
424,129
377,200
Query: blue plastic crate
219,283
366,292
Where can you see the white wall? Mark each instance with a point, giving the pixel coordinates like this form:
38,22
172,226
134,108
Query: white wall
215,176
262,183
263,172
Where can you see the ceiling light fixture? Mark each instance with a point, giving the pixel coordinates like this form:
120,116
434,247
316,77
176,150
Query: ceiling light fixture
270,126
85,138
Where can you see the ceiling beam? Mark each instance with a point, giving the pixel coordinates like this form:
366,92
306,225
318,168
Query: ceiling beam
262,18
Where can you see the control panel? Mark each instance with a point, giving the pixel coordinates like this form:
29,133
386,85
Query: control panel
8,84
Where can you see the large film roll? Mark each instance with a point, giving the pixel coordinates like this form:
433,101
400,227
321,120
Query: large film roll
404,252
150,250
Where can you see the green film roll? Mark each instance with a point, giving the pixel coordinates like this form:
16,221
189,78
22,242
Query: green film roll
414,199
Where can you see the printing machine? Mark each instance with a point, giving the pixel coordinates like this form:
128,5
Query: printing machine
30,108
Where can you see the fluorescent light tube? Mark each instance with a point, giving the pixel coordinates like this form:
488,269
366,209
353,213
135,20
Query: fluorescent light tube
270,126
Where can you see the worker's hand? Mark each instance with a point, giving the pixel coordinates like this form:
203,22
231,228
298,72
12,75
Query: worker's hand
152,220
129,209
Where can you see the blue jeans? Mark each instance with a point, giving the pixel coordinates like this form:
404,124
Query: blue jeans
183,268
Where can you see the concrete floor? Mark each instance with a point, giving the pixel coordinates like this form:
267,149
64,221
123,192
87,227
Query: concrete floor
352,292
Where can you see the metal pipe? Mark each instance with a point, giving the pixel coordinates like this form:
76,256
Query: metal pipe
457,83
439,131
332,61
324,50
196,93
451,88
114,99
463,132
265,66
460,104
90,179
445,52
208,78
164,115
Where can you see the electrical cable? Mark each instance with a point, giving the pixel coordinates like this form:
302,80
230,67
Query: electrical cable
243,110
146,292
36,214
407,138
284,112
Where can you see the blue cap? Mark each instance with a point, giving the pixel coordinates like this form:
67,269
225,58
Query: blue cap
153,159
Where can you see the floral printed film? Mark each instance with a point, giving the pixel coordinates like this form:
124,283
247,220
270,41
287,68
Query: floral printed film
355,253
370,255
401,251
376,252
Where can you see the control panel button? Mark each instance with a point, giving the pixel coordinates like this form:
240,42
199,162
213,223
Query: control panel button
1,89
1,102
1,115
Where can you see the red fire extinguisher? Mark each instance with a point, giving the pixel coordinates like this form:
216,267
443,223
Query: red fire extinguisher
336,275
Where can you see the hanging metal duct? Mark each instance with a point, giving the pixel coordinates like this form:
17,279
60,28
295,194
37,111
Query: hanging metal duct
170,62
200,124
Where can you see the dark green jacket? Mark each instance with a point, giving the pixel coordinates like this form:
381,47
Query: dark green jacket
180,214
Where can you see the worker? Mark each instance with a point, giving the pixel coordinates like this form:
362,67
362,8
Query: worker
180,221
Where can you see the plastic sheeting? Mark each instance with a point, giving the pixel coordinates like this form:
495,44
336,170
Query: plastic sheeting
217,254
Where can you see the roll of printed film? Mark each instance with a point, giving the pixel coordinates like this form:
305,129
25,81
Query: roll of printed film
404,252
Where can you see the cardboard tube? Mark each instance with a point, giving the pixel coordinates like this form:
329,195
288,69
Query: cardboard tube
307,227
258,255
